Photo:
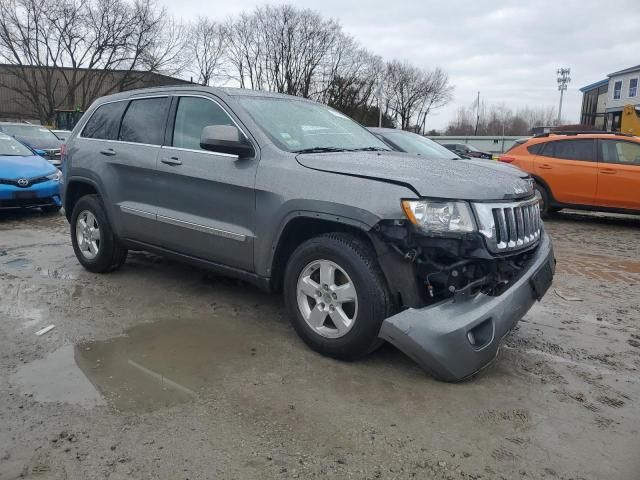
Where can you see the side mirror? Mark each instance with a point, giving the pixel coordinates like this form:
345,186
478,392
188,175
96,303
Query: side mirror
225,139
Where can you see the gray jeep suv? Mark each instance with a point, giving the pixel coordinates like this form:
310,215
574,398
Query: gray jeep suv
439,258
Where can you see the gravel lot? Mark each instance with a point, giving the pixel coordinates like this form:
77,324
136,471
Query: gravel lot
164,371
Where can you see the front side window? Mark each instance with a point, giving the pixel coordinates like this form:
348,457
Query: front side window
570,149
296,125
620,151
10,147
617,90
105,121
143,122
192,115
633,87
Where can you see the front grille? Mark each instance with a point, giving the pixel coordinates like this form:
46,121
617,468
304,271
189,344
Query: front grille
52,153
31,181
509,226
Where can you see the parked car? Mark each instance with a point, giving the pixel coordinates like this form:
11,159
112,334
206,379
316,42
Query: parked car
468,151
409,142
40,139
26,179
589,171
367,244
62,134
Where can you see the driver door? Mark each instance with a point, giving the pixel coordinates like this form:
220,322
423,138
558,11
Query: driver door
206,207
619,174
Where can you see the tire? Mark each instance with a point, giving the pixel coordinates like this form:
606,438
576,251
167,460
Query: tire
51,209
108,255
354,262
545,207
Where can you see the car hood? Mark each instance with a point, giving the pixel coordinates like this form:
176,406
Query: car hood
437,178
12,168
39,143
498,166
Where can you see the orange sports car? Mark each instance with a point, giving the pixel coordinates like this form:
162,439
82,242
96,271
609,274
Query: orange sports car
592,171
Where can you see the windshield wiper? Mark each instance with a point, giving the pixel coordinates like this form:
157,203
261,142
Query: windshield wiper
322,150
372,149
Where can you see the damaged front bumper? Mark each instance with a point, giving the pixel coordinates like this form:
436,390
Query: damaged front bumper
457,337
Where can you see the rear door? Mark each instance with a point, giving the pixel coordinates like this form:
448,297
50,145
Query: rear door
570,169
207,205
619,174
119,147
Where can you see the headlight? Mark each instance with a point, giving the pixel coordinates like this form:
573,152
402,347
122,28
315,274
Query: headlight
57,175
438,216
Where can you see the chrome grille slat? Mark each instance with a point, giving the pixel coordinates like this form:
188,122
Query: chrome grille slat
509,226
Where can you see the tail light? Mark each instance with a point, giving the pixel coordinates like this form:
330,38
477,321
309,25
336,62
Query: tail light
506,159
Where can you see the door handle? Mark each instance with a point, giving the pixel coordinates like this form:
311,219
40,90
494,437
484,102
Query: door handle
545,166
173,161
608,171
109,152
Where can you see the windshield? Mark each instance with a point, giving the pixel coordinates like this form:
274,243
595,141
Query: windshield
296,126
31,131
10,147
473,149
419,145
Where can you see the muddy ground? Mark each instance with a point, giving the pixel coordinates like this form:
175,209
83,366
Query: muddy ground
164,371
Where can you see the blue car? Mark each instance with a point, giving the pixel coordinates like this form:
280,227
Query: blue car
27,180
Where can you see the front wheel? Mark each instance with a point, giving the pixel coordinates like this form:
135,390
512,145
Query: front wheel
544,199
94,243
336,295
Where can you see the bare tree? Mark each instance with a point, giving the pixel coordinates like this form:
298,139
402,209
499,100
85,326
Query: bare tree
412,93
80,44
206,45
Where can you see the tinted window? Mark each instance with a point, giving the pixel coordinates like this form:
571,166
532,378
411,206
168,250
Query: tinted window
143,121
105,121
570,150
618,151
192,115
535,149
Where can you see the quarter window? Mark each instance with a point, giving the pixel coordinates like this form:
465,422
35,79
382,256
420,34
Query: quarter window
535,149
617,151
105,121
144,120
633,87
192,115
617,90
570,150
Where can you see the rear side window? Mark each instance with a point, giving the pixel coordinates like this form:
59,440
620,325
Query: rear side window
105,121
143,121
535,149
192,115
570,150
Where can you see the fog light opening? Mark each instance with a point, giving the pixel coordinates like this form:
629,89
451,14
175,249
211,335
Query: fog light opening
472,338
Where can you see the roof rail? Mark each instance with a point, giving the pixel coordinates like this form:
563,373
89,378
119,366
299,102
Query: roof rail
579,132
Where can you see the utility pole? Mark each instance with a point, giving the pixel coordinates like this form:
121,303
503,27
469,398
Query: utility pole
477,115
379,95
563,80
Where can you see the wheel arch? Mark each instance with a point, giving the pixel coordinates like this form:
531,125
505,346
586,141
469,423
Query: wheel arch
76,188
302,226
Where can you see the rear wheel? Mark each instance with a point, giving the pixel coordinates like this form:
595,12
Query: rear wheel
336,295
94,243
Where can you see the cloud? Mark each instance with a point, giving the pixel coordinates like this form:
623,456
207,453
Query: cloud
509,50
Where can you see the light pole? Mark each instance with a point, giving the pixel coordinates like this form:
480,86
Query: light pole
563,80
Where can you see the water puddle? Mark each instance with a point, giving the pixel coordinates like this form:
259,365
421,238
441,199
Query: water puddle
154,365
56,378
18,263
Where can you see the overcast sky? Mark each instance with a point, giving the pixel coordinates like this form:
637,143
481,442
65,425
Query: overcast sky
507,50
